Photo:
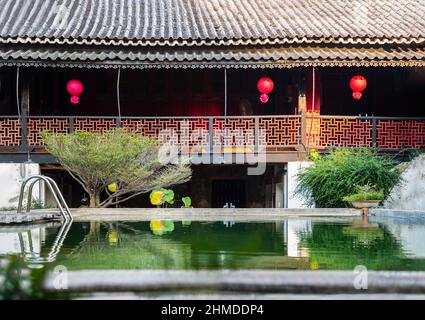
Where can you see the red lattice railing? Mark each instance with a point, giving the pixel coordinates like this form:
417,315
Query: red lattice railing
36,125
329,131
400,134
188,131
274,132
10,132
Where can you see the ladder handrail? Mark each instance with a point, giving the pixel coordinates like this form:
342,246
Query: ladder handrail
58,194
54,189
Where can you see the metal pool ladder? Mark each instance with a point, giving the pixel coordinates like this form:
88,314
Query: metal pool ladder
53,187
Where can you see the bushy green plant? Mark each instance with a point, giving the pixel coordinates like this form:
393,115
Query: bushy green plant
364,193
331,178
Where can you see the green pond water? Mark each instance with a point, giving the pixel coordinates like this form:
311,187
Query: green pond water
302,244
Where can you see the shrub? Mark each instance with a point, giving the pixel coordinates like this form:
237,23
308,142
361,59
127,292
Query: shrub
332,177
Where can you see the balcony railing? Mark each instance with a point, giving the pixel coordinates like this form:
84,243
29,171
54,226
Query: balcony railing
275,133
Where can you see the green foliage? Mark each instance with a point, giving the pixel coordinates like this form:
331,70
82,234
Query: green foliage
17,282
187,201
129,160
339,247
364,193
39,205
333,177
36,204
414,154
162,197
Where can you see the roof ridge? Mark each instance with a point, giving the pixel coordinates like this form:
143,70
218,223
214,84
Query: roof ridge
213,42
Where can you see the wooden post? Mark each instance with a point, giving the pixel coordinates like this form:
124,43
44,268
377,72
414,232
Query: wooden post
304,130
302,109
25,110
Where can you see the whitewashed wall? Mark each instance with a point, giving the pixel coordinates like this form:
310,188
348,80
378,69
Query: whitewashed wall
295,202
410,195
11,177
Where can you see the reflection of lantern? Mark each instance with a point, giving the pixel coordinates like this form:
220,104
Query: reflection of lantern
358,84
265,85
74,88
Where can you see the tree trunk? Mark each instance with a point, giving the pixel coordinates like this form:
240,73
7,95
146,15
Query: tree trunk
94,196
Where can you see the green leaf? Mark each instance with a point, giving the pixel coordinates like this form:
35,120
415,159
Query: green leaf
168,195
187,201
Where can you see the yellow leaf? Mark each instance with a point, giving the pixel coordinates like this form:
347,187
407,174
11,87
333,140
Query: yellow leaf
157,198
112,237
112,187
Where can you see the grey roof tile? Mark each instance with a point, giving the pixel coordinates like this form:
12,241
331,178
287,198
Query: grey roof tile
247,54
211,19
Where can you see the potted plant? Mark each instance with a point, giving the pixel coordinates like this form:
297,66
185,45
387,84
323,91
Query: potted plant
365,198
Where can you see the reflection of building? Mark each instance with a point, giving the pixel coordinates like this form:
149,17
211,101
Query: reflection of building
18,240
291,232
411,235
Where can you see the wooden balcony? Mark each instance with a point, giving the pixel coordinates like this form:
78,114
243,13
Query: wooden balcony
283,138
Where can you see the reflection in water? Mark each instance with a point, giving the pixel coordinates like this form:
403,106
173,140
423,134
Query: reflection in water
159,227
164,244
26,242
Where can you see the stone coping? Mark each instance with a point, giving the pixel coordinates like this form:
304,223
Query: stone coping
206,214
35,216
249,296
261,281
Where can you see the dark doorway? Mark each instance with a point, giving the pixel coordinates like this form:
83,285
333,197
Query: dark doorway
228,192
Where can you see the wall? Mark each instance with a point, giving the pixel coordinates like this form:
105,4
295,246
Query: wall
410,194
12,175
295,202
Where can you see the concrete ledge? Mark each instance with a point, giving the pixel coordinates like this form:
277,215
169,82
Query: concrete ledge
250,296
12,217
264,281
205,214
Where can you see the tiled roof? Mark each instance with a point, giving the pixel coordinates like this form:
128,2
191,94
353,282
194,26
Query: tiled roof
211,22
266,56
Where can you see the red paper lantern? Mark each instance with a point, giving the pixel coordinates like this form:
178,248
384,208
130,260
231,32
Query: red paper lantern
264,98
358,84
265,85
74,88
